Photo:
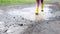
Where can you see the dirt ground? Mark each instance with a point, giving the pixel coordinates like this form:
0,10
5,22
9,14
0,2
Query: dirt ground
21,19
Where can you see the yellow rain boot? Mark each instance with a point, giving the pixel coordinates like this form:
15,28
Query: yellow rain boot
42,7
37,9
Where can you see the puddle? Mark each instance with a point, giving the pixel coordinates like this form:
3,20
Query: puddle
29,12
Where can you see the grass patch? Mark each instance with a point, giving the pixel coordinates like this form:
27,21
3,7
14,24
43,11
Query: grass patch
47,0
19,1
16,1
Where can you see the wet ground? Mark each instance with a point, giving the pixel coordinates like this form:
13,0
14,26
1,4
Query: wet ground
21,19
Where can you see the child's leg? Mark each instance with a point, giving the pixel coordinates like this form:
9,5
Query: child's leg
37,7
42,5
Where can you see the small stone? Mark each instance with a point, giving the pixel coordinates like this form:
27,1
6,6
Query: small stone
20,24
5,30
22,18
13,17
